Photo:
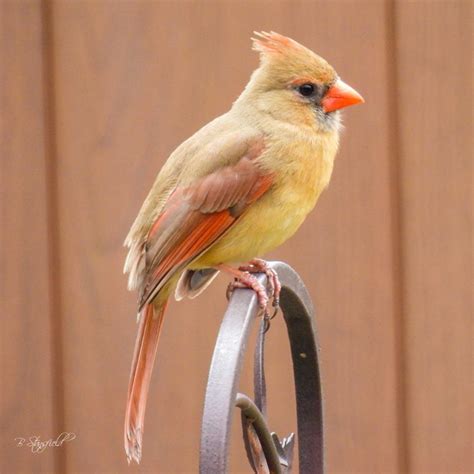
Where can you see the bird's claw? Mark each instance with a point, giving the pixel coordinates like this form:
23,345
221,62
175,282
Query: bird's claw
246,279
257,265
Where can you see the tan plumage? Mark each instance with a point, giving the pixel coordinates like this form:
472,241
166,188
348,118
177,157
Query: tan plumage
236,189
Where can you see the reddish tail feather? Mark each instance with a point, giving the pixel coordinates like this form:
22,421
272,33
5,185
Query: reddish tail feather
151,319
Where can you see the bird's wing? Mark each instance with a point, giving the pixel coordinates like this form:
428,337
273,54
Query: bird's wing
196,215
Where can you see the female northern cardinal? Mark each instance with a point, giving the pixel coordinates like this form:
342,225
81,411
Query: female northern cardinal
238,188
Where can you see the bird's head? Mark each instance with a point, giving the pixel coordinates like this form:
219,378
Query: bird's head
295,85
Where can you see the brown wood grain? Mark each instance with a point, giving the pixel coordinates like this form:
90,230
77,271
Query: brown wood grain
435,111
96,94
27,401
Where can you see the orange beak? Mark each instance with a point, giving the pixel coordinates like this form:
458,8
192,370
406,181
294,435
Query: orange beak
340,95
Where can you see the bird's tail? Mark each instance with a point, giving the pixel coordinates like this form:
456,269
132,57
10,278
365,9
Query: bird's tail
151,319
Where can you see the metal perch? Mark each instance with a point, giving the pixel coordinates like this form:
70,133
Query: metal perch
222,395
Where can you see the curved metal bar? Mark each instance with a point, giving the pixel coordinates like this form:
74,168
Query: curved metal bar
259,383
298,313
222,382
251,412
227,362
252,445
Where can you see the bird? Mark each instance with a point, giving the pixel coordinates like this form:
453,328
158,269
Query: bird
235,190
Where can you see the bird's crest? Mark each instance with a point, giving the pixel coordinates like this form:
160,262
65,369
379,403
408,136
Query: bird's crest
291,59
273,42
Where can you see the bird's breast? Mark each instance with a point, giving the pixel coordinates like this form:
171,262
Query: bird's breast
302,169
306,167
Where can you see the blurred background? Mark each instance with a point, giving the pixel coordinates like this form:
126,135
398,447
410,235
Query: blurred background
94,97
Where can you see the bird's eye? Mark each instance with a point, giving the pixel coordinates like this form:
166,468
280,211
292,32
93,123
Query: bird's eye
306,90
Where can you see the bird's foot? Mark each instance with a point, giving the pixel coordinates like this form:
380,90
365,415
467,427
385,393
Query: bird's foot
244,278
257,265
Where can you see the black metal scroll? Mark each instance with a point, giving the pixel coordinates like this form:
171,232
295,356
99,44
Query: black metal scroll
222,395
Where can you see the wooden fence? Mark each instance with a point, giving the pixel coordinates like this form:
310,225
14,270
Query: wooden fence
94,97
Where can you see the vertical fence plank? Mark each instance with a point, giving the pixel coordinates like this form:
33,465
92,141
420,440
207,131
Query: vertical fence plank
345,250
118,95
435,109
27,359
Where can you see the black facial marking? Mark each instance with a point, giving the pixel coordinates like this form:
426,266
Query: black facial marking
313,92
